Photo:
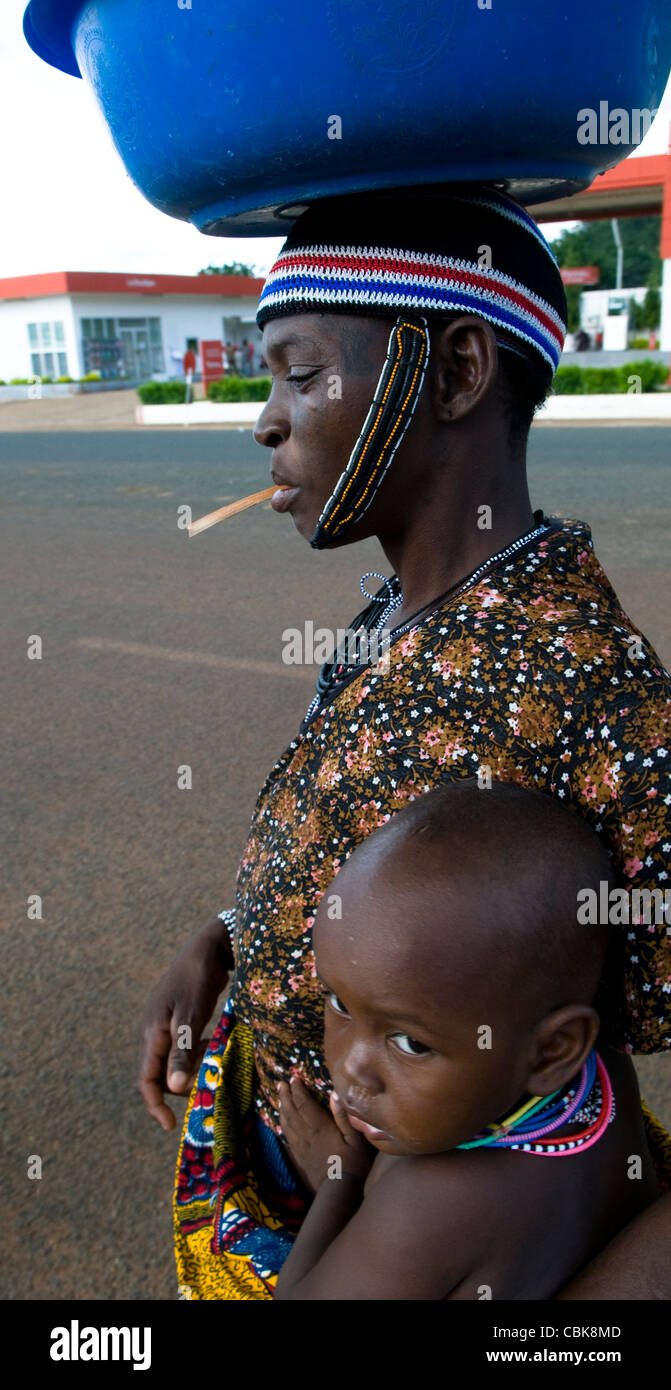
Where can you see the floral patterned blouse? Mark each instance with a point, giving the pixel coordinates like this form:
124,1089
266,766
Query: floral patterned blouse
535,673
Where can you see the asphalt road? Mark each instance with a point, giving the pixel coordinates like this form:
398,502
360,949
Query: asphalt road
160,651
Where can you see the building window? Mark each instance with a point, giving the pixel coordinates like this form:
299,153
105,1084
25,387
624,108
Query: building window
143,346
102,348
129,347
46,335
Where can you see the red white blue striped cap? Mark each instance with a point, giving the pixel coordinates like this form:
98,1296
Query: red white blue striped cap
469,250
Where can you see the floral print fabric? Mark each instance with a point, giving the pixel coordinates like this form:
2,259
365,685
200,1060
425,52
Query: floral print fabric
534,673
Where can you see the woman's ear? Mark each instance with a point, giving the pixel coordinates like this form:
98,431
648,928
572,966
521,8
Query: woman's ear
465,365
561,1043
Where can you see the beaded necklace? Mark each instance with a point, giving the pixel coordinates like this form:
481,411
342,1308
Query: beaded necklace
536,1126
380,608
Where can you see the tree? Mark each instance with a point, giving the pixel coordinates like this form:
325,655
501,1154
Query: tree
235,268
573,293
652,308
592,243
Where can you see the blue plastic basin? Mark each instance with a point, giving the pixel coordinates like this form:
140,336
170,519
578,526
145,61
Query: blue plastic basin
221,113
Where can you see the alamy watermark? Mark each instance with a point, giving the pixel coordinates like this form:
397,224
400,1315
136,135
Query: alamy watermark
308,646
615,126
621,907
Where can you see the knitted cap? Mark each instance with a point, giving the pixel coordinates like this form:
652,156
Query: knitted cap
469,250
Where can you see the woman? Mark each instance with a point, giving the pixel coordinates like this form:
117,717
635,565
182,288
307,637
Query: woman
510,659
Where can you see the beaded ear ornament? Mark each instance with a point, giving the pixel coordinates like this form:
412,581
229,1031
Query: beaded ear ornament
387,420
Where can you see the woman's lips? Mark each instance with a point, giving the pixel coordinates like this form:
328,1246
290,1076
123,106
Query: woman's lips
283,498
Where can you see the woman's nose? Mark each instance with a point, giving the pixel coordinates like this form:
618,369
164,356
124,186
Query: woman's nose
272,426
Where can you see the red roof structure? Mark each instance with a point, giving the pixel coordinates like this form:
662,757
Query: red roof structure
103,282
637,187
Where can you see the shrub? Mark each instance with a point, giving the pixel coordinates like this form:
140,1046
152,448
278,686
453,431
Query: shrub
64,378
91,376
600,381
19,381
652,374
590,381
240,388
162,392
568,381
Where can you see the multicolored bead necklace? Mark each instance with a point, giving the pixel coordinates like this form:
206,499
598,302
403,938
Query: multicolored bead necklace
536,1126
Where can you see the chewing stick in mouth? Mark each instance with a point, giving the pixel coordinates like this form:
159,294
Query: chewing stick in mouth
222,512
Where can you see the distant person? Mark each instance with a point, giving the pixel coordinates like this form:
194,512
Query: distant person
237,359
250,354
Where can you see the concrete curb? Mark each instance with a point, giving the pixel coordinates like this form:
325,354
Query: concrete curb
634,407
201,413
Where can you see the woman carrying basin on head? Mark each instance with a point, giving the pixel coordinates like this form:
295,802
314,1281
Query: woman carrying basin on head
405,378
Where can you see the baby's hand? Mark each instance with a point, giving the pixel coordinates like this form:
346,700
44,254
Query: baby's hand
315,1138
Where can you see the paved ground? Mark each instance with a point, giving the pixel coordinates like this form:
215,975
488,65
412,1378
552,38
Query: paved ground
157,651
95,410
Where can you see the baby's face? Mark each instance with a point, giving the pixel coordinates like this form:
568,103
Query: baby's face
424,1053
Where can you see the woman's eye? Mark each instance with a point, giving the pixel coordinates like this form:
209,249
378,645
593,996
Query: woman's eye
296,380
336,1004
410,1045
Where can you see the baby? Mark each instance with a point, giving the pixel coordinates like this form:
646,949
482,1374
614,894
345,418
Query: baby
484,1140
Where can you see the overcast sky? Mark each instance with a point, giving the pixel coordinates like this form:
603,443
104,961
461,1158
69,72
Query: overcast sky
68,201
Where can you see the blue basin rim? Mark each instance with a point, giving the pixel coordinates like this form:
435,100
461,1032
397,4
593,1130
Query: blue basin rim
213,128
47,27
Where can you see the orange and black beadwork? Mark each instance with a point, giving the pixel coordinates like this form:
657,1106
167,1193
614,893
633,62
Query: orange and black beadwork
390,413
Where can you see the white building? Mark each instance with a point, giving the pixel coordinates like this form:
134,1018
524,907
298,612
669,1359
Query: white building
134,327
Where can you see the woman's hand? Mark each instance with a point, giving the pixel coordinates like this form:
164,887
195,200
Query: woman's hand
172,1049
314,1138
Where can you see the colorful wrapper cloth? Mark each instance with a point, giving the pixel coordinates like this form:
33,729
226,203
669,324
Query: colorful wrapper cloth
237,1206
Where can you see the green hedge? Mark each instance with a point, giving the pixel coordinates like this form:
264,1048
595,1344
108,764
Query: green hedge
162,393
240,388
228,388
589,381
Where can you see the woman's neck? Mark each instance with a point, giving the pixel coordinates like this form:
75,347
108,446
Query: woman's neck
439,546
